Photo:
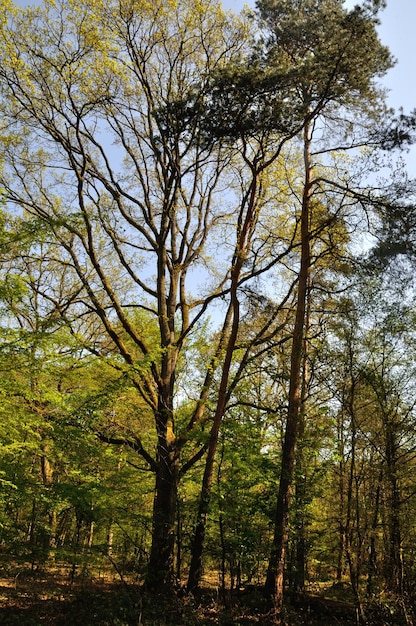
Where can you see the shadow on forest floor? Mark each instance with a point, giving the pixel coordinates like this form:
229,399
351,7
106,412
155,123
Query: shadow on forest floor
51,599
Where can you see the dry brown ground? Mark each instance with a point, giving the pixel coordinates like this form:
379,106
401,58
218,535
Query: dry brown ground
52,599
55,598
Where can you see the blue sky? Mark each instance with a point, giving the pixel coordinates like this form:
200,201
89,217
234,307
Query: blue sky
398,23
397,31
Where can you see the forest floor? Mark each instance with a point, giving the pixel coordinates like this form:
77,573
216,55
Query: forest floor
53,599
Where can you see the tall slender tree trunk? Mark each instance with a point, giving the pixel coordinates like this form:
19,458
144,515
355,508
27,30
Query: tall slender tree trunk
195,569
341,492
47,479
372,548
395,574
353,536
300,550
179,539
274,584
247,225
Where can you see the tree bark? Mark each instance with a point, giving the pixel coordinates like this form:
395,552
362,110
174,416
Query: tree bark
372,549
160,571
47,479
300,551
394,574
274,584
161,562
195,570
247,225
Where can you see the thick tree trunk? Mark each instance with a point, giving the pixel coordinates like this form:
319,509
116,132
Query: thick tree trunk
274,584
160,572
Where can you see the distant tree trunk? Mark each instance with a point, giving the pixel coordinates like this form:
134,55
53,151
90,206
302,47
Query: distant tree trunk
30,533
110,539
372,550
223,552
341,493
53,527
221,523
298,565
274,584
353,536
300,549
47,479
90,537
178,540
394,573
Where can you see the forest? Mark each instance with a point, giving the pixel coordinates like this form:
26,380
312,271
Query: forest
207,322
